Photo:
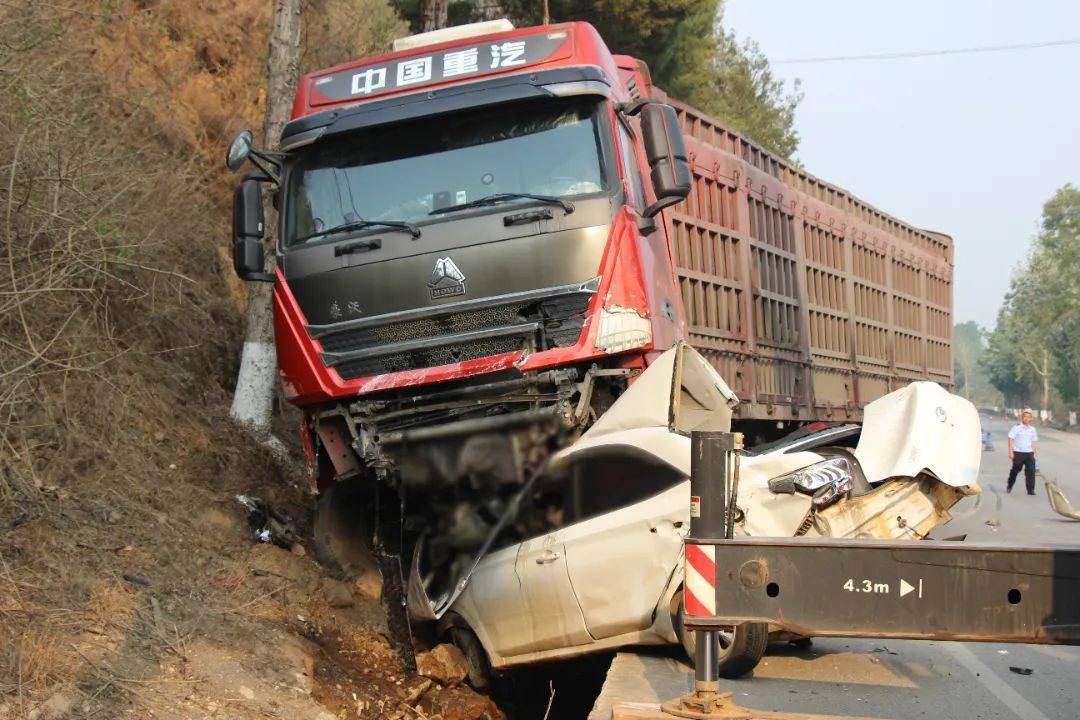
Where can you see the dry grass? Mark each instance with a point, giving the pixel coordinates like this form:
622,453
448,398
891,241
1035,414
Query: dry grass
119,340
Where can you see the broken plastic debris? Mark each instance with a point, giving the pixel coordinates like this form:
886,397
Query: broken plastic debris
268,525
1021,670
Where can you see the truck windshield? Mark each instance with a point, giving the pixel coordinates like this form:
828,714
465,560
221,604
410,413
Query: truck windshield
406,170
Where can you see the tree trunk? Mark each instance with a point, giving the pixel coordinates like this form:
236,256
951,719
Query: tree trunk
433,14
966,370
254,397
1046,381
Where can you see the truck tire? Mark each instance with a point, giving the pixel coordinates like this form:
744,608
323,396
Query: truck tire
740,650
342,531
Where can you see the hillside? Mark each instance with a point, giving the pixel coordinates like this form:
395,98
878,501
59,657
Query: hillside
130,582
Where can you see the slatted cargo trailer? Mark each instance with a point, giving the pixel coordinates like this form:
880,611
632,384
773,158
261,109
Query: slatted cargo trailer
808,300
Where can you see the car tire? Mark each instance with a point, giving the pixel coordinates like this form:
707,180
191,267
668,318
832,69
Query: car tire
481,675
740,649
342,531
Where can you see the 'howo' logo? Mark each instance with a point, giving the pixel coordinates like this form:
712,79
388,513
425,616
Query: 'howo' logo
447,280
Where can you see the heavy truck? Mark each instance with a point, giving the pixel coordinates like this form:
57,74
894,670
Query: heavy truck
487,235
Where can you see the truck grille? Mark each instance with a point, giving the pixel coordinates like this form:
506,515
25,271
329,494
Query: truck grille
439,355
429,337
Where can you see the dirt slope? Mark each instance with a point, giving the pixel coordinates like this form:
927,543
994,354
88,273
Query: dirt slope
130,583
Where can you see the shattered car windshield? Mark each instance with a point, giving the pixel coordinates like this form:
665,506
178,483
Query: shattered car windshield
404,171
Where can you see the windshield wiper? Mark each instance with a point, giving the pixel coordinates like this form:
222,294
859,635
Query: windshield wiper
503,197
360,225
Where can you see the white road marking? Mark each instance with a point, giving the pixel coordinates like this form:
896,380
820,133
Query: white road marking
992,682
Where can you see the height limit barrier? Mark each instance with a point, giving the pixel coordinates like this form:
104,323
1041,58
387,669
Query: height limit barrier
830,587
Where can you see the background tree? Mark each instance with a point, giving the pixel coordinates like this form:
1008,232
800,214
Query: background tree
749,98
337,31
432,14
969,348
1000,362
689,54
1056,269
1038,329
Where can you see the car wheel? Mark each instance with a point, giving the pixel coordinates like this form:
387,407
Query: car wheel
481,676
740,649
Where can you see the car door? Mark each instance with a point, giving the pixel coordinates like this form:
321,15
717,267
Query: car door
494,604
551,604
621,561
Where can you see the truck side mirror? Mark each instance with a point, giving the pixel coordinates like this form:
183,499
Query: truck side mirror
248,255
666,152
239,150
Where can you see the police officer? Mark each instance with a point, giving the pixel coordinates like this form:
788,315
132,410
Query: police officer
1023,440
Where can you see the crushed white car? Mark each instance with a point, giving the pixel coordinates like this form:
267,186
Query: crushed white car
610,573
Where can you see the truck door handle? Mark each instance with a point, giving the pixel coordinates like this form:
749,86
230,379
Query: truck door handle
548,557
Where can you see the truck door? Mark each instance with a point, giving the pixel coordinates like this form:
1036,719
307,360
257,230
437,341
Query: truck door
622,560
550,602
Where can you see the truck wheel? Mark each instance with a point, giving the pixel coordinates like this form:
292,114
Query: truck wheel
481,675
740,649
342,531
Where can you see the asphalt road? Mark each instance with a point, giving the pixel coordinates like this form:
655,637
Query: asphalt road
909,679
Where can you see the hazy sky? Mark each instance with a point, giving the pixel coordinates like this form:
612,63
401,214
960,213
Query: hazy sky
970,145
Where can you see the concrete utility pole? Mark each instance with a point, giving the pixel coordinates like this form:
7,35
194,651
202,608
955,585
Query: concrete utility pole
433,14
254,397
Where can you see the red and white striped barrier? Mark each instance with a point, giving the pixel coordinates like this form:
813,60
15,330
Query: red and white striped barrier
700,583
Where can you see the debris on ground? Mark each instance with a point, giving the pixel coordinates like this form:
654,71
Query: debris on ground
1059,503
1021,670
445,663
135,580
460,703
269,525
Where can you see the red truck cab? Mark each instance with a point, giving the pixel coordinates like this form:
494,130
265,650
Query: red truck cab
361,311
470,266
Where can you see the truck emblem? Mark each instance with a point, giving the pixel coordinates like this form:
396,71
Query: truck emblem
447,280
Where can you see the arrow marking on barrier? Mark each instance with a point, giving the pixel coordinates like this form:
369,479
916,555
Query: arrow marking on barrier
905,587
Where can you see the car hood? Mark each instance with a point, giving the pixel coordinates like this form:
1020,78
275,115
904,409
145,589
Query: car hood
921,428
678,393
